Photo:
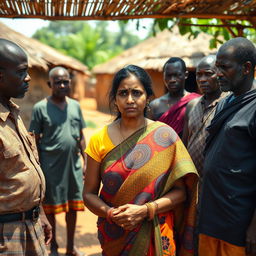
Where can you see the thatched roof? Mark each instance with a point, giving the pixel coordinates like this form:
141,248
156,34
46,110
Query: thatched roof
39,54
124,9
155,51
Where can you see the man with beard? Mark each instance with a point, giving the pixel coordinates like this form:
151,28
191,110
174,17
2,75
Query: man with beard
227,216
171,107
22,182
58,124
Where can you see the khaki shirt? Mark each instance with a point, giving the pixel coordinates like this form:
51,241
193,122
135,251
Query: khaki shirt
22,183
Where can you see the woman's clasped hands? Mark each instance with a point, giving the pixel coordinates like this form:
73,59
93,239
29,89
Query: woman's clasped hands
127,216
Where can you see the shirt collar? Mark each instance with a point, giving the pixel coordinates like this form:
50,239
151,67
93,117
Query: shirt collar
4,112
215,102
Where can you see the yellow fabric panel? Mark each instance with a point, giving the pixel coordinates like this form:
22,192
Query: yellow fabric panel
99,144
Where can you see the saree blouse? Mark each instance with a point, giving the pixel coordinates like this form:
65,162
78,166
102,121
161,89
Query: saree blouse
99,145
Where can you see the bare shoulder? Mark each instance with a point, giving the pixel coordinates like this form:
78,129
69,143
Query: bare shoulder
158,101
154,103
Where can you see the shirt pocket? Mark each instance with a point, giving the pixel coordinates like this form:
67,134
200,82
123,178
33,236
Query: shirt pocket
10,157
10,150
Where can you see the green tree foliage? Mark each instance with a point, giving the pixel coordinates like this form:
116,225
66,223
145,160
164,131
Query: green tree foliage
91,43
220,30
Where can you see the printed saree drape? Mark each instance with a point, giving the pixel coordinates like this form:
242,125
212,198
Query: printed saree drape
141,169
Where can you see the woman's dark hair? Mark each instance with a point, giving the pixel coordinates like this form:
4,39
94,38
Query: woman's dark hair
124,73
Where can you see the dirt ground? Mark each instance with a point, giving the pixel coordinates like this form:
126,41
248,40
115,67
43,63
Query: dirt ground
86,231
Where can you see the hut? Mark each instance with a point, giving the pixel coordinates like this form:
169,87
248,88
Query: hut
151,55
41,58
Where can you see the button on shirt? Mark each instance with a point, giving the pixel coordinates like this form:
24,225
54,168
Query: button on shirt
21,178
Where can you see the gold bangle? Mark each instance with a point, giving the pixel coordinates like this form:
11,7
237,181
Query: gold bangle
154,210
149,207
156,207
151,210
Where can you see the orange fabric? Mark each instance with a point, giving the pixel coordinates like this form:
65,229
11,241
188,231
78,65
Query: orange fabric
166,228
210,246
70,205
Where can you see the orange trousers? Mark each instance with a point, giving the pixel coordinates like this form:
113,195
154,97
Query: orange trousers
210,246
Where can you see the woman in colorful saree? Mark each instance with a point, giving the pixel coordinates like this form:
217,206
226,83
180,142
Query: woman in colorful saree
148,179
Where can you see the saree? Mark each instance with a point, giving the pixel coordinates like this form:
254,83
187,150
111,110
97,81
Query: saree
141,169
174,117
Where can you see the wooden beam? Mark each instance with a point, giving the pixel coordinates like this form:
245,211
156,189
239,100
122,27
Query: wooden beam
238,26
229,28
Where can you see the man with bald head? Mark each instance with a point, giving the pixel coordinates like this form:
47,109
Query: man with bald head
58,124
22,182
227,214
